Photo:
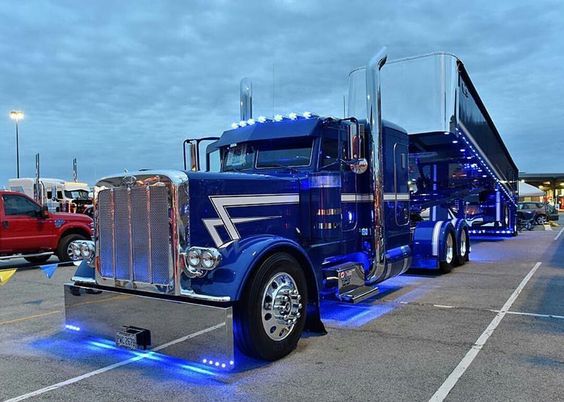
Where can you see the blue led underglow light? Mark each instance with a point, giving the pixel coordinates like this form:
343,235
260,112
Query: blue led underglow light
293,116
242,123
72,327
261,119
462,150
455,141
204,361
234,125
216,364
210,362
250,122
278,117
231,362
222,365
307,115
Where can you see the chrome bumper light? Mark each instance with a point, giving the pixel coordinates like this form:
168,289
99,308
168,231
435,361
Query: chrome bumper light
82,250
199,260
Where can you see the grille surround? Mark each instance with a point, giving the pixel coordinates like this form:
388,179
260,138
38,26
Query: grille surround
135,237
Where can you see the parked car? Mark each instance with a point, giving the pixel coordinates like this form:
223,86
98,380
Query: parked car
542,212
29,230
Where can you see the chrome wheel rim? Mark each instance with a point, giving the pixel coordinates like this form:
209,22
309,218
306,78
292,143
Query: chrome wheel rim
541,220
449,249
71,251
463,243
280,309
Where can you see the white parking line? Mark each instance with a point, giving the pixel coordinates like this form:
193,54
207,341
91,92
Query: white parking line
459,370
559,234
112,366
561,317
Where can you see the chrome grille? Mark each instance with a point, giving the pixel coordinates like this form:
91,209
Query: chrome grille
134,234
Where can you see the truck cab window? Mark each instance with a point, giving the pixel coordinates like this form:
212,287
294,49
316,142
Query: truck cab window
238,157
330,152
296,153
18,205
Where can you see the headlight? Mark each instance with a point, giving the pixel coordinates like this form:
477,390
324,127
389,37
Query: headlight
194,257
82,250
210,259
85,250
199,260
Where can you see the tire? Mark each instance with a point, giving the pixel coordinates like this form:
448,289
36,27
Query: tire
37,260
463,248
541,220
450,253
258,332
529,226
62,248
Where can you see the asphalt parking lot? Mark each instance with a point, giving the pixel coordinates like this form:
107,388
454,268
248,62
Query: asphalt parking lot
492,329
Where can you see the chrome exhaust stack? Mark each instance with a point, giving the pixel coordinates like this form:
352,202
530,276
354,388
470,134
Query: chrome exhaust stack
246,99
374,119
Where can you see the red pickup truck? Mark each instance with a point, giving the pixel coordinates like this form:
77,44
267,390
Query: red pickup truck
30,231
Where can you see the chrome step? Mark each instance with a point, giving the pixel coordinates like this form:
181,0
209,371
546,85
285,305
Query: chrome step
358,294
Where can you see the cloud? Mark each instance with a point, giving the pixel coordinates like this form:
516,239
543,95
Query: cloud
120,85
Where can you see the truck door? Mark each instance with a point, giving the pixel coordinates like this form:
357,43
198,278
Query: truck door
22,229
396,191
334,149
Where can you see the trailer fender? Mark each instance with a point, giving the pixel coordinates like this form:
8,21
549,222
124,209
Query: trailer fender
429,241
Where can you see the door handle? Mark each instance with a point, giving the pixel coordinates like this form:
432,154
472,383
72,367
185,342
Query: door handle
5,224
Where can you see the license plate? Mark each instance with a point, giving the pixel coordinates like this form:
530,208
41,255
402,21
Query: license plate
126,340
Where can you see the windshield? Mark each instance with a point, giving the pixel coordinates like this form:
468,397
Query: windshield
269,154
77,194
283,154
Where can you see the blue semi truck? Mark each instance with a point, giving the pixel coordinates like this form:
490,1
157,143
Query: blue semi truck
201,263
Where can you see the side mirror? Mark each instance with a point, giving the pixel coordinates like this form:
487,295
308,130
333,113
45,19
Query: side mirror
44,212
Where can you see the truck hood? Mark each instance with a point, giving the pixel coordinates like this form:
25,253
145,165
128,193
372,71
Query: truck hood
71,217
227,207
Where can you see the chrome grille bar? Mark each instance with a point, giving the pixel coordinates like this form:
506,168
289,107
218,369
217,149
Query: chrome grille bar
134,235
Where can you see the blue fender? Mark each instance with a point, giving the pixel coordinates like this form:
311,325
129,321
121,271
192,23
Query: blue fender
429,246
241,257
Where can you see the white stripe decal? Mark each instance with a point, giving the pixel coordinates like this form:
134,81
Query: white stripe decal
399,196
435,241
352,197
221,203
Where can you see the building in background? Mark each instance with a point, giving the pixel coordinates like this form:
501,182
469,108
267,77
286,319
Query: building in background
551,183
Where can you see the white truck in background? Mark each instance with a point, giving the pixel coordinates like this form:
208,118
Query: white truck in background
59,195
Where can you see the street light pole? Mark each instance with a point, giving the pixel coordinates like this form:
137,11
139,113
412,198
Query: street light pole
17,115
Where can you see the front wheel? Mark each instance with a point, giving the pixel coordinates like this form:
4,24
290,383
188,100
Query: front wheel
541,219
271,316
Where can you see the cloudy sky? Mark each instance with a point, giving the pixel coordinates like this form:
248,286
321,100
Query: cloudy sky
121,84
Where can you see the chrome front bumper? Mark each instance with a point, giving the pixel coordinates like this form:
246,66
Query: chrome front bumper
190,331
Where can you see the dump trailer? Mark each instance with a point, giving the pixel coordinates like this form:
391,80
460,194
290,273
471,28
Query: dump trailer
459,165
200,263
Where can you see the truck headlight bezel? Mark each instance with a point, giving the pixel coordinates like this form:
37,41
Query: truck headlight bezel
200,260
